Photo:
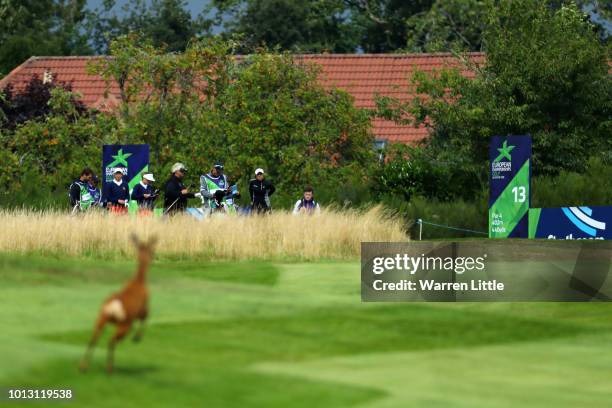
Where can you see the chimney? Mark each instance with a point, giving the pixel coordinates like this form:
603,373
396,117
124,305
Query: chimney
47,77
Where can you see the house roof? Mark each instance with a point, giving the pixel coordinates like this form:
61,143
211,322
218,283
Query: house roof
362,75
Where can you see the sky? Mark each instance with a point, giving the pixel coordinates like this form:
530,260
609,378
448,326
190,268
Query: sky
194,6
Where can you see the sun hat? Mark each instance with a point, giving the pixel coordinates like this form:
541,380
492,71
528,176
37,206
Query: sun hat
178,166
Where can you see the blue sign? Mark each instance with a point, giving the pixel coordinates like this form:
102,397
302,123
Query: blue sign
132,160
571,223
509,181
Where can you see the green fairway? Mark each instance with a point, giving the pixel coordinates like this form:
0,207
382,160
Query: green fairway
277,335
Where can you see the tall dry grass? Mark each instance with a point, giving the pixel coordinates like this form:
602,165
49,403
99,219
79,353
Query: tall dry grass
333,234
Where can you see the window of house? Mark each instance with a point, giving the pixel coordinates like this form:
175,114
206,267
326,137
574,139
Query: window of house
379,147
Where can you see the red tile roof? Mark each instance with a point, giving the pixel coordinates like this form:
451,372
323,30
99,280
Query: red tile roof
362,75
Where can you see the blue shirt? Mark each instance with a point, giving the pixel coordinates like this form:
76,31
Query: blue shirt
115,192
138,194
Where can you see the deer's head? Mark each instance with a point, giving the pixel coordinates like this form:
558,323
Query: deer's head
144,249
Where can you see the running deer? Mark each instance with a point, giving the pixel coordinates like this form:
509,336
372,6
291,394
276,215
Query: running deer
124,307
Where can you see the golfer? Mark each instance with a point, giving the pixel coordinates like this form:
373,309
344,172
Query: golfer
117,193
175,192
143,192
260,190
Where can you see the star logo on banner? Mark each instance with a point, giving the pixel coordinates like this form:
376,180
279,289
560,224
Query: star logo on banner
120,158
504,152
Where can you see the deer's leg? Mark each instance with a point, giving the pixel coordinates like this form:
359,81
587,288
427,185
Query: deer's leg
139,332
142,317
99,327
122,330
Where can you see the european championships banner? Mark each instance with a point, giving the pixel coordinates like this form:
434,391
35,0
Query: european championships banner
132,160
509,180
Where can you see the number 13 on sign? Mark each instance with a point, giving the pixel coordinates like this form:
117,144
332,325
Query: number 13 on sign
519,194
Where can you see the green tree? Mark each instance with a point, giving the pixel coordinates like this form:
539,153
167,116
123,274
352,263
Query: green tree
307,26
265,110
600,14
32,102
546,74
325,25
410,171
449,24
459,24
382,23
40,27
51,150
163,22
373,26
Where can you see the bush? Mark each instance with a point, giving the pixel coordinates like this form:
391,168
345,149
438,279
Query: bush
592,188
40,158
34,102
408,171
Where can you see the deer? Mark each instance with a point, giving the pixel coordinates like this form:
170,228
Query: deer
125,307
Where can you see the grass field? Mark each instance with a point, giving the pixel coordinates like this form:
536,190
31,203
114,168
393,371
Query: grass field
277,335
332,234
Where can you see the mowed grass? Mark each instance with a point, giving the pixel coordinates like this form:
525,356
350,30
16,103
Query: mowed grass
257,334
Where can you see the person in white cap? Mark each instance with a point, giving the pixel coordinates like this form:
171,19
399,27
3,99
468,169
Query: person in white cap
117,192
143,192
260,190
175,192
